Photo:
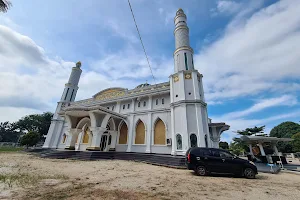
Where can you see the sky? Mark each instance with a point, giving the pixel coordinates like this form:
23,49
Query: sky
248,52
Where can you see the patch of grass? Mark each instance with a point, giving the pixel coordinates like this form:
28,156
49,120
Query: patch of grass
10,149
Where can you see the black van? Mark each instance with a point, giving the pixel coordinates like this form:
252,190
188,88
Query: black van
210,160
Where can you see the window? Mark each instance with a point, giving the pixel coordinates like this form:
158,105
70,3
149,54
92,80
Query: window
176,95
224,154
193,140
113,108
123,107
123,134
67,93
156,101
139,104
107,108
190,93
162,101
192,60
128,106
185,61
179,142
159,133
144,103
109,140
72,95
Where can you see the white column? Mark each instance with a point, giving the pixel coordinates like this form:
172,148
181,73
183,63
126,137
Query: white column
133,105
71,138
261,148
149,133
130,133
250,148
97,134
150,103
173,152
275,150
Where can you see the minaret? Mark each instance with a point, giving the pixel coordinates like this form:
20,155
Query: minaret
68,96
188,108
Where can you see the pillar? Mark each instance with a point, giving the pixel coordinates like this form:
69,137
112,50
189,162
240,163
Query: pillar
250,148
130,133
275,150
149,133
97,134
261,148
71,138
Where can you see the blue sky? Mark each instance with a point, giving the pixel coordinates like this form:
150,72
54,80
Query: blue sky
247,51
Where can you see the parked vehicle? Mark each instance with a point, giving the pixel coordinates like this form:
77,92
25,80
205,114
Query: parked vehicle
211,160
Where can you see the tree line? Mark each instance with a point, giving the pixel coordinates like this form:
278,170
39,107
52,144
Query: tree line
28,130
284,130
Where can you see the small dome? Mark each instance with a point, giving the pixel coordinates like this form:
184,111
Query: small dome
78,64
179,11
142,85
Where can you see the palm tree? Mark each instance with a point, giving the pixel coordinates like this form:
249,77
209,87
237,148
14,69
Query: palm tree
4,5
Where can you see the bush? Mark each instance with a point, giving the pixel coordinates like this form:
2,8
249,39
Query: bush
30,139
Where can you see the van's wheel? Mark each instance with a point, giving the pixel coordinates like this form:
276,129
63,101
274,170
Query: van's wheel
201,171
249,173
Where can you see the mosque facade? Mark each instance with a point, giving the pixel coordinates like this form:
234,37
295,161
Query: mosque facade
165,118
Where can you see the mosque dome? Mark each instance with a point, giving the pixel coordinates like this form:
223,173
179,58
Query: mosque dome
142,85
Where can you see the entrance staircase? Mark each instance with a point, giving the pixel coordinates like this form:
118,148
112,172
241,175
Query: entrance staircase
155,159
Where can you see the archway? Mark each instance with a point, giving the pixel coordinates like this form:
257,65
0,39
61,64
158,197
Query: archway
140,133
193,140
159,133
123,134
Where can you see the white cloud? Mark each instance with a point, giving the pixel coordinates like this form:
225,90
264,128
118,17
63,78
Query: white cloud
285,100
254,55
228,7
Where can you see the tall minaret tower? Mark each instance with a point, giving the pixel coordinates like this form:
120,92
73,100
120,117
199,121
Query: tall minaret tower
188,108
69,94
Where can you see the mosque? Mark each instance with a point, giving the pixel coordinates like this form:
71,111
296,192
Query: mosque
165,118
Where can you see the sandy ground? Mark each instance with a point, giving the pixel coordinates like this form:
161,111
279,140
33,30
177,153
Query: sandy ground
24,176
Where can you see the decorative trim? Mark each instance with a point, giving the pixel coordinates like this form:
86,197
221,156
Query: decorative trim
188,102
188,76
183,48
176,78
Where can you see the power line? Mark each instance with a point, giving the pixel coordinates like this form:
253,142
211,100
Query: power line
141,41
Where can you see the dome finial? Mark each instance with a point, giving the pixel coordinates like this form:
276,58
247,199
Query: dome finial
78,64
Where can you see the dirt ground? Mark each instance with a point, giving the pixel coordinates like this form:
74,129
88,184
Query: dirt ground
24,176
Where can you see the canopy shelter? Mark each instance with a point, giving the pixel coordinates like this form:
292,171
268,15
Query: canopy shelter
257,143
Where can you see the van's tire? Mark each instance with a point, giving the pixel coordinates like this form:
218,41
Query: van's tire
249,173
201,171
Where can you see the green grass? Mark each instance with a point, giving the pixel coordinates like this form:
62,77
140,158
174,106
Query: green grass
10,149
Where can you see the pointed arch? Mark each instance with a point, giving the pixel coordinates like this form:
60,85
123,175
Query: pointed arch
123,133
140,132
159,132
83,122
86,136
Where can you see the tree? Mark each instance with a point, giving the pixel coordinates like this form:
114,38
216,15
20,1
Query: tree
30,139
224,145
296,142
8,132
39,123
237,147
285,130
252,131
4,5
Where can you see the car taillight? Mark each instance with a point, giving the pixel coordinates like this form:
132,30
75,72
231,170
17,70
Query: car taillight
189,157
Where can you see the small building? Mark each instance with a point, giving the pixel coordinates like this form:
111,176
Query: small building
259,144
164,118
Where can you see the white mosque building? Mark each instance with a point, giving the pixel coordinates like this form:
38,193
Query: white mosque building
166,118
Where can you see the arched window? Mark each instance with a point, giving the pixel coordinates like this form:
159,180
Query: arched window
156,101
139,104
179,142
160,133
85,139
206,142
123,134
193,140
162,101
109,140
140,133
144,103
64,138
